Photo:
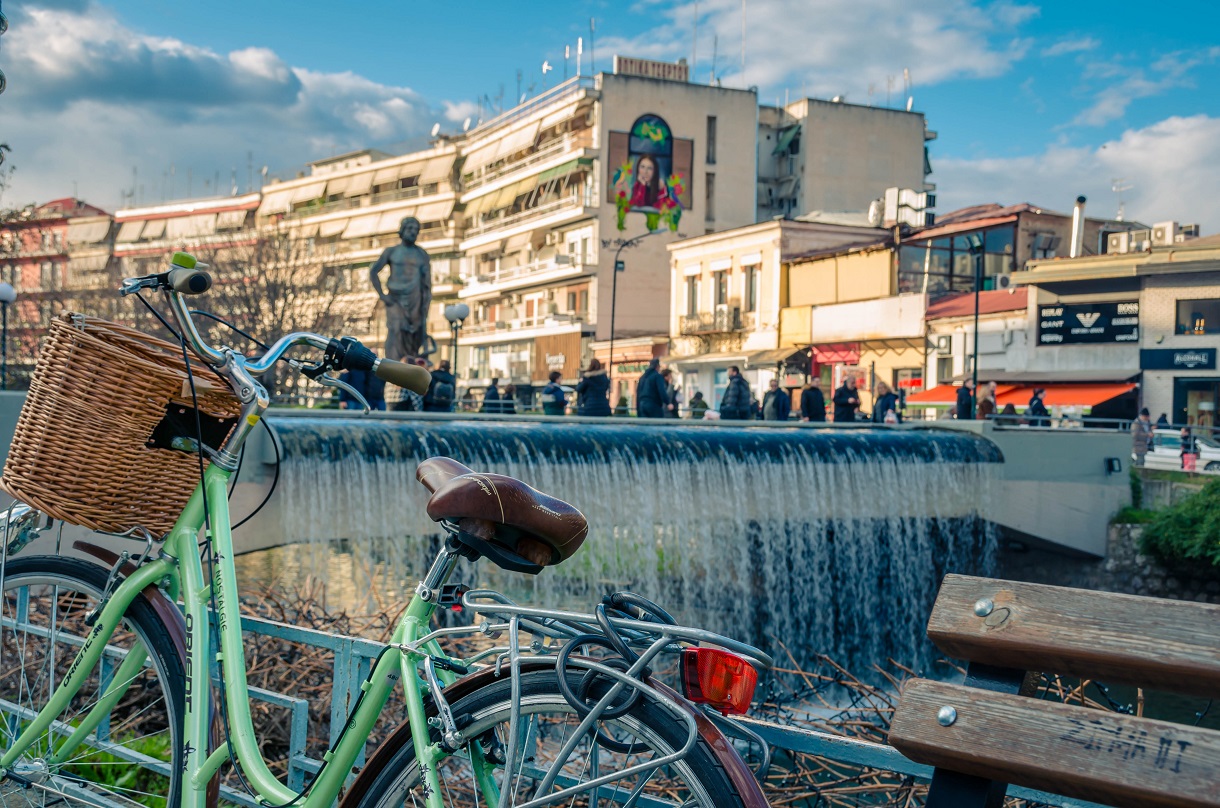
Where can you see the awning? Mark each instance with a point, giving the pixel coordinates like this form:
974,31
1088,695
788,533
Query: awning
490,247
773,357
567,168
203,224
1043,378
785,139
362,226
308,193
515,243
1065,395
359,184
337,185
516,141
557,116
230,219
434,212
437,169
154,228
88,263
719,357
305,231
480,205
477,158
506,195
130,231
945,395
276,202
844,353
90,232
332,228
391,219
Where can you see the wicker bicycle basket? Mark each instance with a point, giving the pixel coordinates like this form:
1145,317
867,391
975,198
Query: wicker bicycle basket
82,450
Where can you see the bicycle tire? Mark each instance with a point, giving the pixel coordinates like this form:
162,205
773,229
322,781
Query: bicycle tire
704,780
54,595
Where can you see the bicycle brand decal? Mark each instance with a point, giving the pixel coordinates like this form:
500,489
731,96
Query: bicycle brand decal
84,649
190,641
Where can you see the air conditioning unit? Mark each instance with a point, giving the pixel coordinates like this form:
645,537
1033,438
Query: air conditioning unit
1163,233
1140,240
1004,281
550,294
944,345
1118,242
1186,232
553,238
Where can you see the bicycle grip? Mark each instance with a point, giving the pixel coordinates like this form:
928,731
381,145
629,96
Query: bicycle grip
412,377
189,281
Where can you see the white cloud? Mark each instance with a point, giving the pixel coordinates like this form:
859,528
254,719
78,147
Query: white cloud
97,98
1067,46
1173,167
458,111
1166,73
838,46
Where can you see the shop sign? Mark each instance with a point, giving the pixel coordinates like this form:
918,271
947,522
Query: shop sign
559,352
631,367
1178,359
1077,323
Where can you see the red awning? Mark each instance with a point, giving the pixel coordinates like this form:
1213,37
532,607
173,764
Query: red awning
941,394
847,353
1064,395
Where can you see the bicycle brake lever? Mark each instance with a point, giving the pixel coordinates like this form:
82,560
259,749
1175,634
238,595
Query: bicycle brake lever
331,381
132,285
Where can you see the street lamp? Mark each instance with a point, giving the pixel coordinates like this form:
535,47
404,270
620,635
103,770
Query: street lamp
456,314
975,242
7,295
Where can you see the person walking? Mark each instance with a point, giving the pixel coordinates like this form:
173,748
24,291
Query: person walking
776,405
813,403
593,391
1190,450
650,394
1141,436
965,401
508,401
442,390
1163,421
885,408
847,401
1008,415
372,388
491,398
673,396
698,406
1036,411
987,403
554,399
735,403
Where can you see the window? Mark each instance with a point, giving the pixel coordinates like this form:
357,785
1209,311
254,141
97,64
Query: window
50,275
1198,317
943,265
721,279
751,288
709,198
944,369
907,381
711,140
692,295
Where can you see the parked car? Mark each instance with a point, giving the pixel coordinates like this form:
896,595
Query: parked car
1166,451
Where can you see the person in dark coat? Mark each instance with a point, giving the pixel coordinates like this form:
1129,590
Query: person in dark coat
554,399
1163,421
593,391
698,407
372,388
442,390
673,396
1036,411
775,404
965,401
813,403
886,402
491,399
508,401
651,396
735,403
847,401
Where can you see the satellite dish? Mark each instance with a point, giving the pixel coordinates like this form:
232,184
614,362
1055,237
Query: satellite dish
876,212
466,125
910,102
522,99
436,128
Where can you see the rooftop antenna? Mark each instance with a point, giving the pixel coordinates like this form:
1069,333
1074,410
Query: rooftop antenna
715,48
906,81
1119,185
592,53
694,44
580,52
436,129
872,88
567,54
910,102
262,177
889,88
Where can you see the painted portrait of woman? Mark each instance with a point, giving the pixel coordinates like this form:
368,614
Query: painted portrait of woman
648,190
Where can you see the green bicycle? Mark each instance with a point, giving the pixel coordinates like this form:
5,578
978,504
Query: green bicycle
107,692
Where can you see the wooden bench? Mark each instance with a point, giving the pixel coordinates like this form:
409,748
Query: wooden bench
986,733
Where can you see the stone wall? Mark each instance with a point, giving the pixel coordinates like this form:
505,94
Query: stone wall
1124,569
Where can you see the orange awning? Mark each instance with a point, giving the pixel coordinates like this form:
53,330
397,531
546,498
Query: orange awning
947,394
1063,395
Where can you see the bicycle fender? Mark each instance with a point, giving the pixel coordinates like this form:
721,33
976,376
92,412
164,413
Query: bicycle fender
736,769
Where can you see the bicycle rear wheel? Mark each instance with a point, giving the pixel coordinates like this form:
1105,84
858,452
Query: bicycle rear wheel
133,755
547,721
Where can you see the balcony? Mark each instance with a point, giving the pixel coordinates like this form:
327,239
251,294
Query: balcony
573,201
509,328
723,320
503,279
366,200
568,143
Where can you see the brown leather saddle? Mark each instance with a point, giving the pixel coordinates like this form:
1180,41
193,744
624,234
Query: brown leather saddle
502,518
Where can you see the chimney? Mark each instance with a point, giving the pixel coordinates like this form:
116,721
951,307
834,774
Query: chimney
1078,228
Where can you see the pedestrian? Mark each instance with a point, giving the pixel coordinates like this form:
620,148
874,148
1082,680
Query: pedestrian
673,396
698,406
735,403
1162,422
651,397
1008,415
846,400
508,400
885,408
368,385
623,407
776,404
965,401
1141,436
442,390
1190,450
491,398
593,391
554,399
1036,411
467,403
813,403
987,403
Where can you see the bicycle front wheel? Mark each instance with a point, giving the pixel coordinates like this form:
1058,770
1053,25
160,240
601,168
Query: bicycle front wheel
647,732
127,755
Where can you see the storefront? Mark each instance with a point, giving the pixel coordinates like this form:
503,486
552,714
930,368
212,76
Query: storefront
1191,372
565,353
631,358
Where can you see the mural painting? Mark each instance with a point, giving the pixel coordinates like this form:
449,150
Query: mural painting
650,173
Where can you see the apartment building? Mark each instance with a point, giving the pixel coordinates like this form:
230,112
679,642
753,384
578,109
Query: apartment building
147,235
552,188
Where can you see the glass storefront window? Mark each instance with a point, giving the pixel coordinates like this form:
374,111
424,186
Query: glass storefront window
1198,317
950,257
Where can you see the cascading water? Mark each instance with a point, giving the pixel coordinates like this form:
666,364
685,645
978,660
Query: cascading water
827,541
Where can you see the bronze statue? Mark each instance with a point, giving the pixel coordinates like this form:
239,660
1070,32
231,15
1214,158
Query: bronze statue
408,292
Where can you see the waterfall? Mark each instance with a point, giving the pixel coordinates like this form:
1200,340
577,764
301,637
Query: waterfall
825,540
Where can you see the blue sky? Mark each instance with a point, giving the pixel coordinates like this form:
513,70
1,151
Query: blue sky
1033,101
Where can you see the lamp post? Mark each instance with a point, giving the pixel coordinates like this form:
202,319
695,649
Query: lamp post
456,314
975,240
620,266
7,295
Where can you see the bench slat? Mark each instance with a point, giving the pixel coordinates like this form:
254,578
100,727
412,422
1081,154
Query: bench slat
1162,644
1099,756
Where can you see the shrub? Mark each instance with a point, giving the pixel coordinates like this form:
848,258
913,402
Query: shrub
1187,534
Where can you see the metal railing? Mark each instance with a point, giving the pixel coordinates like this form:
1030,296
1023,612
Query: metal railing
567,143
712,322
574,200
537,267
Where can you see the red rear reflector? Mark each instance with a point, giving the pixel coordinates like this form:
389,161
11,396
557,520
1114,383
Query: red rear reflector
717,678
